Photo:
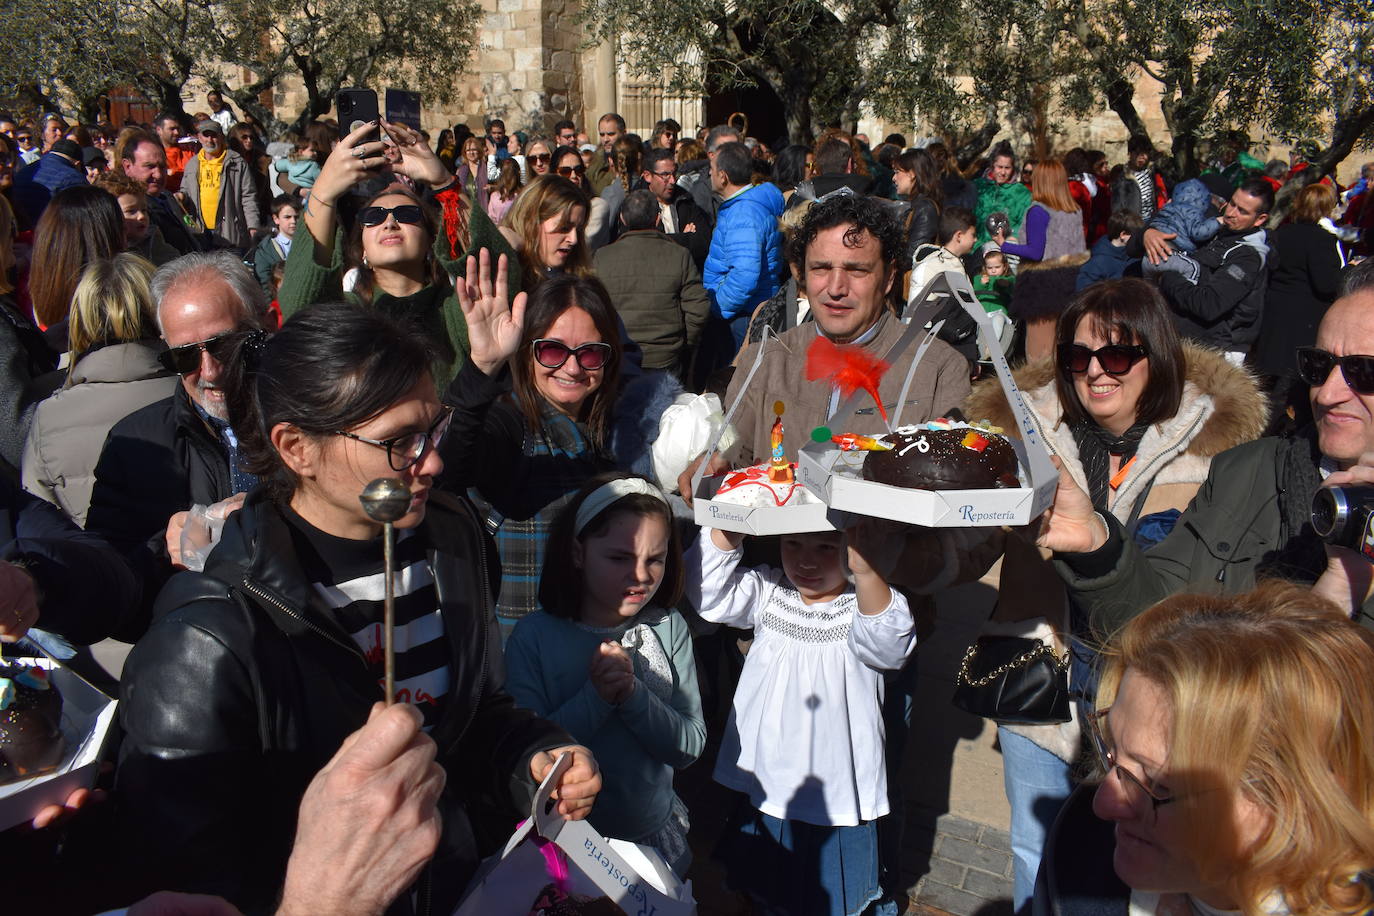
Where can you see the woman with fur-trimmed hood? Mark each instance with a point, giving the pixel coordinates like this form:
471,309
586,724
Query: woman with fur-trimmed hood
1136,415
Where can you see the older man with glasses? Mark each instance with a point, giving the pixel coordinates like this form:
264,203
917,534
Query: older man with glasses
178,452
1252,518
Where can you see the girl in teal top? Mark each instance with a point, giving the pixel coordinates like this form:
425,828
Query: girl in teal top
608,659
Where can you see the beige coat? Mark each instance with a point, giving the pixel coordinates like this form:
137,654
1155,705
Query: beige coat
69,428
940,385
933,560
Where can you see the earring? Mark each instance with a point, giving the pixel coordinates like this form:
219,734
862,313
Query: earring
366,265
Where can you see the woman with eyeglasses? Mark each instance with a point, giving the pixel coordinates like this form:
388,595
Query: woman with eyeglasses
1234,763
538,158
1135,415
400,248
268,659
533,409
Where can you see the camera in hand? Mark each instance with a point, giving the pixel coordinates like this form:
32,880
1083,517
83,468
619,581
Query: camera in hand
1342,517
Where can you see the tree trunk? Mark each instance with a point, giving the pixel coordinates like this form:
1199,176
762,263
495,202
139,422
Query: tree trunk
793,87
32,98
967,149
1349,128
1121,100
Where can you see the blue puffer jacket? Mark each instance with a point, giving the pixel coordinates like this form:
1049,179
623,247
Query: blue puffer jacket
745,260
35,184
1187,215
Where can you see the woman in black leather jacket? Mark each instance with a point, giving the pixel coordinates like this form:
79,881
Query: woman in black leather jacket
917,179
258,668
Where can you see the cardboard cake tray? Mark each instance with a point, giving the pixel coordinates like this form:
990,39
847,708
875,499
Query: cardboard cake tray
760,520
756,520
87,719
836,476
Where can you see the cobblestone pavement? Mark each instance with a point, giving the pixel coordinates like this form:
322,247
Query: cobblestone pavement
968,866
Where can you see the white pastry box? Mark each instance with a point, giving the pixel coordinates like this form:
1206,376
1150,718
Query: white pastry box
837,476
710,512
87,720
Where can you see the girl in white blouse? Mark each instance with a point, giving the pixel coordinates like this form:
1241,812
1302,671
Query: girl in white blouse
805,737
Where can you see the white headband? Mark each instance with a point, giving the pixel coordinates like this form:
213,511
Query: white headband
608,493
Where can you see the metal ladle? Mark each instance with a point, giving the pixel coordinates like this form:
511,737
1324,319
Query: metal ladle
386,500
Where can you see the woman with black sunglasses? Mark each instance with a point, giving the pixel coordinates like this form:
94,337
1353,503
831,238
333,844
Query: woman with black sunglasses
1135,415
401,247
267,660
532,412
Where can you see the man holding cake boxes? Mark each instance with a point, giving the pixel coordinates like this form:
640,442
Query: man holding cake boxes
846,252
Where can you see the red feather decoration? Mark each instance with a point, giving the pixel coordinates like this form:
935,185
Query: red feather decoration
848,366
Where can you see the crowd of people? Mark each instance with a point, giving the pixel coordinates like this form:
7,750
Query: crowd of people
212,344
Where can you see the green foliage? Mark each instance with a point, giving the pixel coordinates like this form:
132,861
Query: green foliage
64,47
808,52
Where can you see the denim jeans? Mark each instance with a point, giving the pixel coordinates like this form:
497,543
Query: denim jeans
1037,784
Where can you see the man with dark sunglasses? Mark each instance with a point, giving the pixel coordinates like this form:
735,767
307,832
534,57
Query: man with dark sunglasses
161,460
1251,518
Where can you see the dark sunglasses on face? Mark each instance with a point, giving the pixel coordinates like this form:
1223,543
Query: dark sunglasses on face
1315,365
552,354
541,157
375,216
1115,359
567,171
405,450
186,358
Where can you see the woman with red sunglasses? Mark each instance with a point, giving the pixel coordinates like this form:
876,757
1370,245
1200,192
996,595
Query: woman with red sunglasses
532,412
1136,415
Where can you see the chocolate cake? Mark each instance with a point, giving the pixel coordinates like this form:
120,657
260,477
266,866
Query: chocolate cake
31,741
943,456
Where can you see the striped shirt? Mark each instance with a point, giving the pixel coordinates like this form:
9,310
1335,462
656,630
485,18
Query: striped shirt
1145,180
349,581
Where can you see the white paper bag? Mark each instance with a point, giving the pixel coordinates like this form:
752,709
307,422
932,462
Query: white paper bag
546,849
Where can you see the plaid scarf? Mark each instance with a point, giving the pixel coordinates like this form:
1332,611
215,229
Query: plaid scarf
553,464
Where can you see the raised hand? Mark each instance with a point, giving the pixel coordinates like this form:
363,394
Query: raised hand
1070,524
369,820
355,158
417,161
494,329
